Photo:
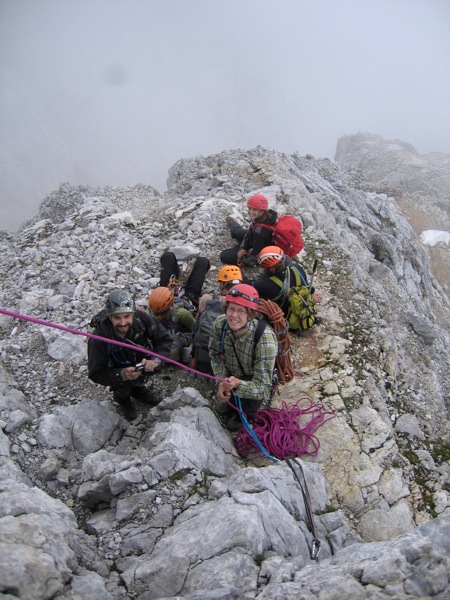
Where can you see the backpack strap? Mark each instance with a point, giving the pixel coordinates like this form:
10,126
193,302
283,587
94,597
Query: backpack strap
265,225
284,285
299,274
258,333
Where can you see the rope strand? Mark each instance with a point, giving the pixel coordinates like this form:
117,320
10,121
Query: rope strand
276,318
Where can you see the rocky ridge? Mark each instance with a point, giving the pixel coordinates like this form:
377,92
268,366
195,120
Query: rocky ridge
165,508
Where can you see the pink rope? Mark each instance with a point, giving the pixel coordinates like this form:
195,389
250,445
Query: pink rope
280,430
102,339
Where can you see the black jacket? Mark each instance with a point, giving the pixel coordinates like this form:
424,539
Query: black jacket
269,290
106,361
258,236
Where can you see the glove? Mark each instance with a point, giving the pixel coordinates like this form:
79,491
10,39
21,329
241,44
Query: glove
249,260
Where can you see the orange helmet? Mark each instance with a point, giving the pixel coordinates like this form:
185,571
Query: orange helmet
258,201
160,300
244,295
271,256
230,274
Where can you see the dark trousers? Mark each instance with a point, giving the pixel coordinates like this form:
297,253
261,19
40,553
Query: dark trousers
249,407
195,281
229,256
122,393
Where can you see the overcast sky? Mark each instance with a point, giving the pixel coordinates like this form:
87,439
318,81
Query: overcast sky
114,92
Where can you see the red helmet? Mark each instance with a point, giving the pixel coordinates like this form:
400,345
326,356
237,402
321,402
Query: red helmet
271,256
244,295
258,201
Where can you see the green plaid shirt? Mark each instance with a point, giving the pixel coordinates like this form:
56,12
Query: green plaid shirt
257,372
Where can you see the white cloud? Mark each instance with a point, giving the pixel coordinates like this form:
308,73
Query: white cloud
107,92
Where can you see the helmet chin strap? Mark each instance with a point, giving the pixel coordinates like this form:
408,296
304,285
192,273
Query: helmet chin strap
240,329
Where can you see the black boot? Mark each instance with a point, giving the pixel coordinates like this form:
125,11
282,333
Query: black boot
142,393
128,409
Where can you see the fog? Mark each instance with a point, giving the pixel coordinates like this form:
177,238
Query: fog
114,92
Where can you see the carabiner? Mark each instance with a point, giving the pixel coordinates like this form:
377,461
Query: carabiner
315,549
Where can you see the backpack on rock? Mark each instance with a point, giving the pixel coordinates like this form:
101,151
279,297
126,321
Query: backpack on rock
200,335
286,234
302,312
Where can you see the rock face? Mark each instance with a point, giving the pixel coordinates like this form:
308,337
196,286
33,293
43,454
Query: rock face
94,507
419,183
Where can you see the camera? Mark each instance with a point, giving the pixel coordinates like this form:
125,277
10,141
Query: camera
139,367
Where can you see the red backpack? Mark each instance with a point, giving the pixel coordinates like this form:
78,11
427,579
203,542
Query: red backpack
286,234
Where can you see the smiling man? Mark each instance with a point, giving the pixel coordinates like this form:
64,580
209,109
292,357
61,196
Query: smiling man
243,353
115,366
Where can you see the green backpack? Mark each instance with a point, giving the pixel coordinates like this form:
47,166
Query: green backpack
302,311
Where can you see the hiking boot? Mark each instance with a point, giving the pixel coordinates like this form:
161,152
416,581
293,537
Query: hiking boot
129,411
145,395
231,221
234,423
225,409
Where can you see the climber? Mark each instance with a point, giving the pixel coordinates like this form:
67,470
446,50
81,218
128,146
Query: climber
285,282
247,366
176,319
252,240
124,370
209,309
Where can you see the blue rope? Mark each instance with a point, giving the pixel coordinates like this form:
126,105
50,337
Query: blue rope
250,431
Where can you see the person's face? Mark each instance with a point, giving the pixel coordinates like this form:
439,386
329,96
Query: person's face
254,213
237,316
122,322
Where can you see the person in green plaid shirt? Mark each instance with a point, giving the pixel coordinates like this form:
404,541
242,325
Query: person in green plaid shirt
246,368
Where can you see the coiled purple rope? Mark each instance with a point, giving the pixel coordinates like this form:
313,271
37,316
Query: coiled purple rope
283,431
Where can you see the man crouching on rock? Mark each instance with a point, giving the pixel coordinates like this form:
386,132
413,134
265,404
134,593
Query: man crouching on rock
115,366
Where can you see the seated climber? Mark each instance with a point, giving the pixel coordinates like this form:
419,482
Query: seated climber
285,282
170,277
252,240
175,304
209,309
244,362
176,319
124,370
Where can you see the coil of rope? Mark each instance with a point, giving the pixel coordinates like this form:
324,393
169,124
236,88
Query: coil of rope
273,313
285,432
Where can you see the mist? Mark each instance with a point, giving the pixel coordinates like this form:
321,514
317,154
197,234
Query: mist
114,92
